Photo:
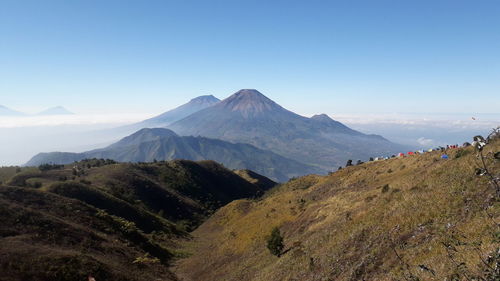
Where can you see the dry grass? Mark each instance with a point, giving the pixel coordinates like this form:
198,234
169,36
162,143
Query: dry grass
346,226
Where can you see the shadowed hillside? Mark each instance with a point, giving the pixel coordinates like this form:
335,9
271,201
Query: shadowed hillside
413,218
147,145
109,220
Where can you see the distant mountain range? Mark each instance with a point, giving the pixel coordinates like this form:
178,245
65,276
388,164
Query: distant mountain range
244,131
57,110
148,145
5,111
250,117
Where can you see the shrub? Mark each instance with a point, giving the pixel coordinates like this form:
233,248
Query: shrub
275,242
461,152
385,188
48,167
146,260
84,181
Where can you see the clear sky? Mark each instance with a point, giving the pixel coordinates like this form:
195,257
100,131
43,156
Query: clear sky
310,56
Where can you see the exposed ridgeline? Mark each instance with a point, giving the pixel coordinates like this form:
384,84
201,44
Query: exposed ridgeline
413,218
115,222
250,117
147,145
173,115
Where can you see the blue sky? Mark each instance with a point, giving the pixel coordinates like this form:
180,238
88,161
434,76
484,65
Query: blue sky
310,56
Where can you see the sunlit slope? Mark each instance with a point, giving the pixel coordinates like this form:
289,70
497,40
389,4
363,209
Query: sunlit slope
354,223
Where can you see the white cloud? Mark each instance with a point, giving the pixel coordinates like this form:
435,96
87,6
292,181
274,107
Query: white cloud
58,120
425,142
458,121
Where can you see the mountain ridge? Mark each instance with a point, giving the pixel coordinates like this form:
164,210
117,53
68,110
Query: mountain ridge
184,110
149,144
248,116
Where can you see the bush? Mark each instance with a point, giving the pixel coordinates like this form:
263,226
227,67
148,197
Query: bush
84,181
385,188
275,242
48,167
146,260
461,152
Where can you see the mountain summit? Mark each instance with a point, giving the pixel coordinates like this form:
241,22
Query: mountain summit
249,102
178,113
204,100
322,118
248,116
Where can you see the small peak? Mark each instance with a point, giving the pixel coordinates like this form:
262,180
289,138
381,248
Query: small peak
161,132
322,117
249,92
249,102
205,99
144,135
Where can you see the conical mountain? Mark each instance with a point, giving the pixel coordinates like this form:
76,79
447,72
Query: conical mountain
248,116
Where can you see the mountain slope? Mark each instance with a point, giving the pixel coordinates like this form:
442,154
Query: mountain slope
44,236
161,120
250,117
116,222
147,145
412,218
177,113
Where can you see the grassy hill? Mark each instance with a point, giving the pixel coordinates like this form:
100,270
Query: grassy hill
413,218
113,221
